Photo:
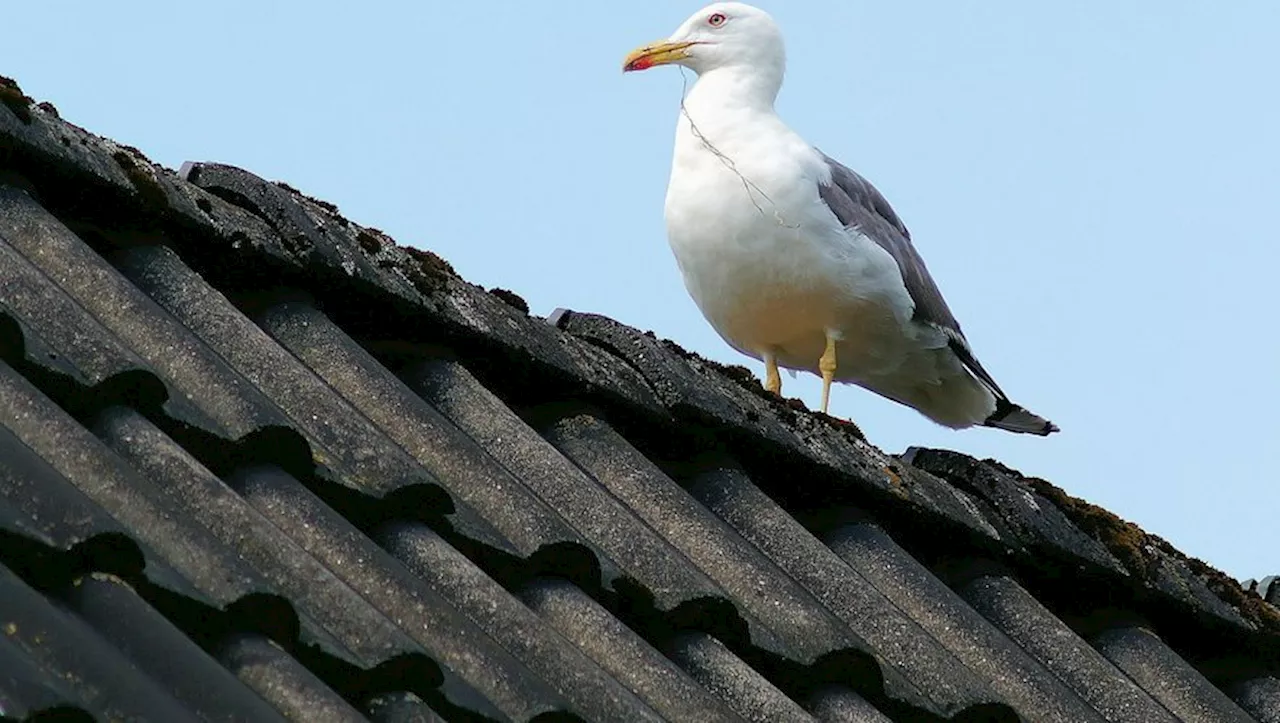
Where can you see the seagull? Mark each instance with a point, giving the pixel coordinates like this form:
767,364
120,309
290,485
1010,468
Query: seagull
794,259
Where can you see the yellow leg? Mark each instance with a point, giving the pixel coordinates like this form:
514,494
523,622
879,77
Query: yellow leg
772,380
827,365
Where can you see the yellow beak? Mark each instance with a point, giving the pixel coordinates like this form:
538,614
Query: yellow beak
660,53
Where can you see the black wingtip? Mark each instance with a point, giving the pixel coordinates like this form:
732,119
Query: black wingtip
1013,418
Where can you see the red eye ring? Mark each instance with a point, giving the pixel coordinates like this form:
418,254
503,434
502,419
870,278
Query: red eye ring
715,20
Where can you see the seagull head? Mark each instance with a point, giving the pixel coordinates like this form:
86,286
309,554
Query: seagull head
721,35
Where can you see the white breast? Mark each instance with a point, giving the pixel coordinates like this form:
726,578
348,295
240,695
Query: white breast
765,259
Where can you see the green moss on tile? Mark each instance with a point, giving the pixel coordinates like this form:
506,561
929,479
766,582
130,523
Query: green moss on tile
15,100
512,299
426,271
788,409
331,208
143,183
1124,539
431,263
1249,603
369,242
1134,548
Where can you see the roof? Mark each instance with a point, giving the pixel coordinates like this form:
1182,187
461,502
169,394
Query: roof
259,462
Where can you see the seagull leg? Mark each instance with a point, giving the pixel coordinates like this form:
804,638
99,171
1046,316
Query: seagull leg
827,365
772,380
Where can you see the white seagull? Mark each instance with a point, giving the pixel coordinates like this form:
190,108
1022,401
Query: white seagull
795,259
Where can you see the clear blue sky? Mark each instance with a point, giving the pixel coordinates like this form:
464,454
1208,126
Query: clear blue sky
1094,185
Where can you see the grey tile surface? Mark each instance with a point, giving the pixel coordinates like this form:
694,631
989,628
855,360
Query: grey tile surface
259,463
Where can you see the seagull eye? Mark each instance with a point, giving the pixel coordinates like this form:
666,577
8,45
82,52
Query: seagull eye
715,20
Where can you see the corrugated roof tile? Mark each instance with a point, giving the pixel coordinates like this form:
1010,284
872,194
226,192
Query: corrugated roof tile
636,551
621,652
1026,686
216,393
272,674
459,465
841,705
595,694
422,612
1168,678
899,641
333,615
27,688
734,681
1020,616
208,571
164,652
401,708
68,651
797,626
1260,697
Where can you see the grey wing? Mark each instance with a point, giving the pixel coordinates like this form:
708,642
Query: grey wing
858,205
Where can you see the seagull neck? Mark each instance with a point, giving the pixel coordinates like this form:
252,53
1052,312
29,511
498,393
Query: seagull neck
736,87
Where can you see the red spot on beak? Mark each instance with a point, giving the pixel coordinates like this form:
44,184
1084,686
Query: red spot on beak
661,53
